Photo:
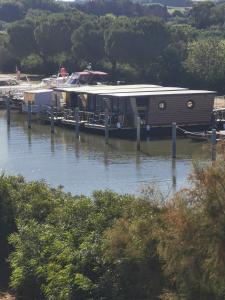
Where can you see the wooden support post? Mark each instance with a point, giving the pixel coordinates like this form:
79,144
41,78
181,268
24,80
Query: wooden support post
106,126
213,141
29,112
174,140
77,120
138,133
8,110
52,119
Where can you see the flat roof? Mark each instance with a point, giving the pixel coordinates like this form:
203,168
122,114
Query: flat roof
127,90
38,91
132,91
160,93
94,88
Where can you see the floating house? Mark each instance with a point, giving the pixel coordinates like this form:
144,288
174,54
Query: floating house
156,106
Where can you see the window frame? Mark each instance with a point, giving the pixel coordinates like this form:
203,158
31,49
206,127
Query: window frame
192,104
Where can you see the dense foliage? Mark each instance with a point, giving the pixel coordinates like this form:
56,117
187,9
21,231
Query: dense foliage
135,41
112,246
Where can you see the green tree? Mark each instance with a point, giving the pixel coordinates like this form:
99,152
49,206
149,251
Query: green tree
21,38
200,14
131,251
206,62
53,35
88,42
11,11
50,5
32,62
139,41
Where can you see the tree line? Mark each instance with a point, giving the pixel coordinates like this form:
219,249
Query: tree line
111,246
134,42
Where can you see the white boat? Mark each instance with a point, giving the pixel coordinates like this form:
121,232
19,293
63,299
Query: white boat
86,77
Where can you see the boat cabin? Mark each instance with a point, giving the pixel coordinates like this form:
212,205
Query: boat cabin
72,96
39,99
162,107
157,106
87,77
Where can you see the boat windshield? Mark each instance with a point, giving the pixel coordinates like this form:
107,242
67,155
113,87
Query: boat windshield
87,77
73,79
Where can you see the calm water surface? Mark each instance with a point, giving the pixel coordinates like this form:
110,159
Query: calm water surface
87,164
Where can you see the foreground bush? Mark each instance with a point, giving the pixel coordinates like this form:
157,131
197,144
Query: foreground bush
112,246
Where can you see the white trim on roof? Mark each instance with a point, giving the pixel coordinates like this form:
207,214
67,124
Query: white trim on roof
161,93
95,88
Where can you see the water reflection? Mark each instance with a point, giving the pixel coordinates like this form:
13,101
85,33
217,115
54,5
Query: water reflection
174,175
52,143
86,164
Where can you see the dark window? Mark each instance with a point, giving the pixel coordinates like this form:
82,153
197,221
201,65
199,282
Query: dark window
162,105
190,104
115,105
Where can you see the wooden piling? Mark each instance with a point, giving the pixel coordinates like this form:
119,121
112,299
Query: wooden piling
52,120
7,100
77,124
106,126
174,140
213,141
138,133
29,112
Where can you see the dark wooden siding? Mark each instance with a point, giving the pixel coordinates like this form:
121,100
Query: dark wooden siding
177,110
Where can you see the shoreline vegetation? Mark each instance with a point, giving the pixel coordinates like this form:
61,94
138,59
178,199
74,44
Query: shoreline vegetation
112,246
134,41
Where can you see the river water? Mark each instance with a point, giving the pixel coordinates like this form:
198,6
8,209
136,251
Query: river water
87,164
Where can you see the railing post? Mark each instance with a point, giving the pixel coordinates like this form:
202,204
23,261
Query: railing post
213,141
52,119
138,133
29,114
77,124
174,140
7,101
106,126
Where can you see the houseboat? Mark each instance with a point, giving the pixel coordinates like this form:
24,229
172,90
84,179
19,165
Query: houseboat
156,106
190,109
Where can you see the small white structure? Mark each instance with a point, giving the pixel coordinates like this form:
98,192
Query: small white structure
40,100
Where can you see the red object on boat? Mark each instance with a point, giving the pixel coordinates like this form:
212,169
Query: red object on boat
63,72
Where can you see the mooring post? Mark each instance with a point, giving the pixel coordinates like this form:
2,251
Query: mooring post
106,126
29,114
138,133
52,119
174,140
8,110
77,124
213,140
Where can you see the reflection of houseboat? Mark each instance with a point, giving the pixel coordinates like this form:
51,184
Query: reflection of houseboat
157,107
